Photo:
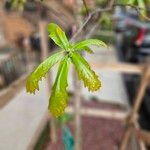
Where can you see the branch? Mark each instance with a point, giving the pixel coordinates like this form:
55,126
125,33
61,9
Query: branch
97,11
111,5
85,5
134,7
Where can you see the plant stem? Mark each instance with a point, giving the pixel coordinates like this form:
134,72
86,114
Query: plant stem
85,5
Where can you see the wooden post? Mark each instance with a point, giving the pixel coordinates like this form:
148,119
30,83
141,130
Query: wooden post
136,107
77,87
44,53
143,135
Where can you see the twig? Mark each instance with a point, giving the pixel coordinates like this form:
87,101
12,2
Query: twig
109,8
136,8
97,11
85,5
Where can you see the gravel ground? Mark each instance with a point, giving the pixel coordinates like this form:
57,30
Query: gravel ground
97,133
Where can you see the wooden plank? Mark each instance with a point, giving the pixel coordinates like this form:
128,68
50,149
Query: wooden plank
143,135
118,67
38,132
107,114
8,93
141,142
137,103
44,45
140,93
76,83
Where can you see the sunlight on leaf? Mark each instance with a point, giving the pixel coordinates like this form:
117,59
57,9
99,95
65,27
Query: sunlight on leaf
59,97
33,80
69,53
58,36
85,73
88,42
87,49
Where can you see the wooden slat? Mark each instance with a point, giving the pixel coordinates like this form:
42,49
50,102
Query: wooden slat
108,114
141,142
44,46
137,103
143,135
119,67
38,132
8,93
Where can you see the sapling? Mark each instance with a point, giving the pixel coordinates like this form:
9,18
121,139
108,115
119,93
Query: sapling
69,53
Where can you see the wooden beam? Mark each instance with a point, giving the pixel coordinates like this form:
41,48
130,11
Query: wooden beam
140,94
141,142
45,54
137,103
38,132
119,67
107,114
76,83
143,135
8,93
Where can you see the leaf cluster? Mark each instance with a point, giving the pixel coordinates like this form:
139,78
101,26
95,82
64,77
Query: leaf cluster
69,53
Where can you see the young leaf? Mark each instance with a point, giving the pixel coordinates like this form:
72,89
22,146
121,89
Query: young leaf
86,49
59,97
85,73
88,42
40,71
58,36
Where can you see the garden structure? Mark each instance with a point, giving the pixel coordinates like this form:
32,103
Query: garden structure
134,137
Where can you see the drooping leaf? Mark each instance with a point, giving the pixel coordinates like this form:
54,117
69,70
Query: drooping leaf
33,80
86,48
59,97
85,73
58,36
88,42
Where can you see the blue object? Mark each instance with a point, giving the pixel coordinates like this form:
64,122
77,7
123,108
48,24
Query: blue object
67,139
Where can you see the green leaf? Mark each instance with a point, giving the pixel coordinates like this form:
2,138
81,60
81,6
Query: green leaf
58,36
85,73
33,80
86,49
142,7
59,97
131,2
88,42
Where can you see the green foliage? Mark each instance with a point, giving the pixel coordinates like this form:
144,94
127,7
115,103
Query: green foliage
142,7
40,71
106,20
58,36
88,76
87,43
69,54
59,97
140,3
17,4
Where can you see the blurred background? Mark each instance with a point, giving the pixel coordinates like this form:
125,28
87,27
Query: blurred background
116,117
